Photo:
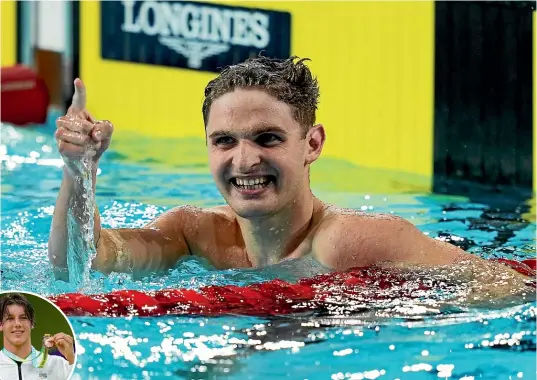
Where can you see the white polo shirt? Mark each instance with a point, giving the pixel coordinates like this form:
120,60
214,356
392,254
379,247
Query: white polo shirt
56,368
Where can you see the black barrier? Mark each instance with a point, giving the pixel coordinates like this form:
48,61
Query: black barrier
191,35
483,95
18,31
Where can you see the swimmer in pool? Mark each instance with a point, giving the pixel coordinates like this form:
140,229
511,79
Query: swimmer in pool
262,137
18,358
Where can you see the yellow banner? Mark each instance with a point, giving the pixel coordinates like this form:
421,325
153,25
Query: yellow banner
374,62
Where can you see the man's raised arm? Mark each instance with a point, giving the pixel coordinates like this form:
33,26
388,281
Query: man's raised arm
125,250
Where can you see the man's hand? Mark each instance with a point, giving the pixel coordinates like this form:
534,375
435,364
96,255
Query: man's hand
78,134
65,345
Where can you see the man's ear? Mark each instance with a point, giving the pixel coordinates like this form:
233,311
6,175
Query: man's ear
315,139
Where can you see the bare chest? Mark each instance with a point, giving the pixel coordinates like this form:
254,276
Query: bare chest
235,255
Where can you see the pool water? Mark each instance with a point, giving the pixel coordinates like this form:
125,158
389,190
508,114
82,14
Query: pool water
404,340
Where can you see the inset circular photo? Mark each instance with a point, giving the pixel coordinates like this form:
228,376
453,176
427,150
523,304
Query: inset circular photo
37,341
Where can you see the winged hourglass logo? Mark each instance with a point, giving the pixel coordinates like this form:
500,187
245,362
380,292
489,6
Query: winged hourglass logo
194,51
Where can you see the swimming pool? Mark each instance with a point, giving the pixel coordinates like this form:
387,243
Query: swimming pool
404,341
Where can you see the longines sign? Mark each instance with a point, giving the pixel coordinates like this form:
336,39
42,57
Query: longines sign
197,35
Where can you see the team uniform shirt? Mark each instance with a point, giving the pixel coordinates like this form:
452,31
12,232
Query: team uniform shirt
55,368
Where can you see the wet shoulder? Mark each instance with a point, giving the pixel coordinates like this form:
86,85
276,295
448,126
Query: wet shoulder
345,237
192,220
347,222
201,213
223,212
209,232
337,215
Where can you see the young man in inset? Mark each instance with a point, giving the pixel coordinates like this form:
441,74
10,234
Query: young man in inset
19,359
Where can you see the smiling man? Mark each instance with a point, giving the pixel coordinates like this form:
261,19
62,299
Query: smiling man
262,137
19,359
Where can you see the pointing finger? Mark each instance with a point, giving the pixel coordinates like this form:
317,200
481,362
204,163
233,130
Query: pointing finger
79,98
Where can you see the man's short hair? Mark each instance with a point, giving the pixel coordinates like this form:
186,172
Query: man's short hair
16,299
286,80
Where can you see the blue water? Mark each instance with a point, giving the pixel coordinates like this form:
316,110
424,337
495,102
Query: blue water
409,342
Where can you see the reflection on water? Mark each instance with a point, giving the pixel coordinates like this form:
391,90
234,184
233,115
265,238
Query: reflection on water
318,347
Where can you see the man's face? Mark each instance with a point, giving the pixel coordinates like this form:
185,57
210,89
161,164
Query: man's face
257,152
16,326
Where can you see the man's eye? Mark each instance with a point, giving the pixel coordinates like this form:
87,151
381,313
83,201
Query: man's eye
224,140
268,139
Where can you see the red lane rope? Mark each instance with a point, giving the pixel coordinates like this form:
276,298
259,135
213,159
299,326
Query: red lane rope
268,298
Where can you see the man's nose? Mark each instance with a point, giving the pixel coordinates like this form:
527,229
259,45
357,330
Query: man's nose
247,156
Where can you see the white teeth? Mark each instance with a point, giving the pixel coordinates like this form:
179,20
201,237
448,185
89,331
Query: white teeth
252,183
